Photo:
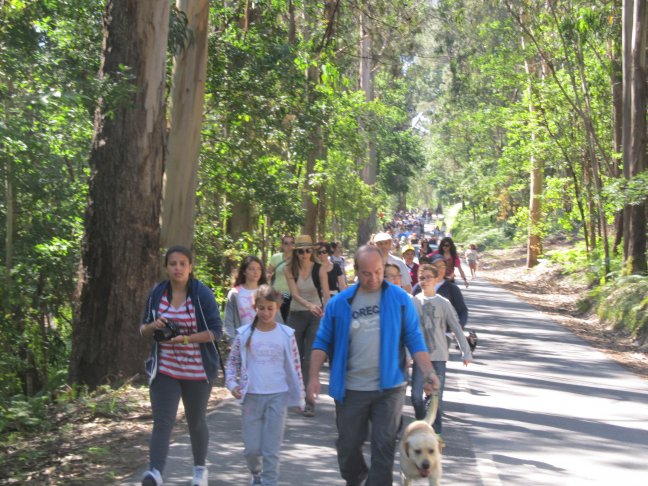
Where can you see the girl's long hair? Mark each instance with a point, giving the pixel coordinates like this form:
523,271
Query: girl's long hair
240,277
264,292
453,248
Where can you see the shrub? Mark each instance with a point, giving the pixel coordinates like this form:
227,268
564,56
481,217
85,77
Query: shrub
624,304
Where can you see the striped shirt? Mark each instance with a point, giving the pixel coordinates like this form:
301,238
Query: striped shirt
181,361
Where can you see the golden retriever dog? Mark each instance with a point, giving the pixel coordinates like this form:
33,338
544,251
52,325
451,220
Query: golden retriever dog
420,451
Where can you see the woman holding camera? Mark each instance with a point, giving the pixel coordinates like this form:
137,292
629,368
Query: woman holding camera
183,318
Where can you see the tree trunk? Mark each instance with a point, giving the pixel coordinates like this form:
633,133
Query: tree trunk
183,145
122,233
616,80
534,238
10,205
367,225
635,215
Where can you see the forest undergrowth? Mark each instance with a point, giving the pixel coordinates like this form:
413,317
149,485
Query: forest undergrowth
103,437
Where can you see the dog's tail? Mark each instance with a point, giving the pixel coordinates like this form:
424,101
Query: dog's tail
432,407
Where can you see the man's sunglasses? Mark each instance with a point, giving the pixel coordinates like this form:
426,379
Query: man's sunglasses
302,251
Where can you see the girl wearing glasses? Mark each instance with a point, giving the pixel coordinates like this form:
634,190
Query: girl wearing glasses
308,284
448,251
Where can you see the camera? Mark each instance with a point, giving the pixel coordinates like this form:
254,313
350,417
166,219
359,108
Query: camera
169,331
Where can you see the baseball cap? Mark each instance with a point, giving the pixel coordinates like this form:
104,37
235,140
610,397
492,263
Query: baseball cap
406,249
378,237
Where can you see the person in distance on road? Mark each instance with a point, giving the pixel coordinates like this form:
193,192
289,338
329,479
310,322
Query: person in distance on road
384,242
448,251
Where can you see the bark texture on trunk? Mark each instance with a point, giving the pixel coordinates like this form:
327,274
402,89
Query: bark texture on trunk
368,225
122,235
635,222
183,145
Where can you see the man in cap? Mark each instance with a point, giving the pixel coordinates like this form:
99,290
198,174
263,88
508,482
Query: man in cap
409,252
384,242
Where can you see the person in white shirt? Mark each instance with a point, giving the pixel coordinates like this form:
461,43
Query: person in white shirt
264,372
384,242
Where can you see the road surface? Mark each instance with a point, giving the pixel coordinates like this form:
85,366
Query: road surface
539,406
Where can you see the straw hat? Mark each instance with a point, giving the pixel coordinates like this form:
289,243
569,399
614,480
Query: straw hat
303,241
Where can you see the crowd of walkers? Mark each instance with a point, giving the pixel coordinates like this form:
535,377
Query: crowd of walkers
283,322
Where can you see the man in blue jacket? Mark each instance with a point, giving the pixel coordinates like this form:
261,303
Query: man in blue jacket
364,333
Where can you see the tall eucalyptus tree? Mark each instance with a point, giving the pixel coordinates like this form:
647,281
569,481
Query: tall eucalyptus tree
122,232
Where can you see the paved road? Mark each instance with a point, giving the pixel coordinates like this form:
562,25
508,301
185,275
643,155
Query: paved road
539,406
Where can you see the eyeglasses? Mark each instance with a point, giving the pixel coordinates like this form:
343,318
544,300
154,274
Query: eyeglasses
322,252
446,245
306,250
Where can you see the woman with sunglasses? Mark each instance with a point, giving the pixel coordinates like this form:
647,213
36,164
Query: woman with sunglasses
336,280
448,251
308,284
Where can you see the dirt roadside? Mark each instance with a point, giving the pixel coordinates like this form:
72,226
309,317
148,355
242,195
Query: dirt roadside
105,439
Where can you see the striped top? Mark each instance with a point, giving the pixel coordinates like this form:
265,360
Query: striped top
181,361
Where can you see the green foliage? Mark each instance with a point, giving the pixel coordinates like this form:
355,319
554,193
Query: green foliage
624,304
588,266
488,117
48,63
484,231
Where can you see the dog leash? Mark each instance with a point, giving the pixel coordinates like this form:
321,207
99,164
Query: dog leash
432,407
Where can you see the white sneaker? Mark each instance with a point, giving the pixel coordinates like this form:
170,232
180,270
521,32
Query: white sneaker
200,476
152,478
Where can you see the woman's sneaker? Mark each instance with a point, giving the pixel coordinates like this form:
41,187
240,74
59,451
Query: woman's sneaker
152,478
200,476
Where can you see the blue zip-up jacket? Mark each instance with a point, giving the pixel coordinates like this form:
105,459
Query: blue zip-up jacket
399,328
207,317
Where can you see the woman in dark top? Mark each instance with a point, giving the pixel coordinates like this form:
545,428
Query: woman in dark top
335,274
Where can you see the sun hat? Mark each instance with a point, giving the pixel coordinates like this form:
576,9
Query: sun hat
303,241
407,248
382,236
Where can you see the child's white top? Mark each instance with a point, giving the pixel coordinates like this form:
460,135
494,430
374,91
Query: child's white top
266,368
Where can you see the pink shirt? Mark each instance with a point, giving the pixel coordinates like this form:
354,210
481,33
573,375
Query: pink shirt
181,361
